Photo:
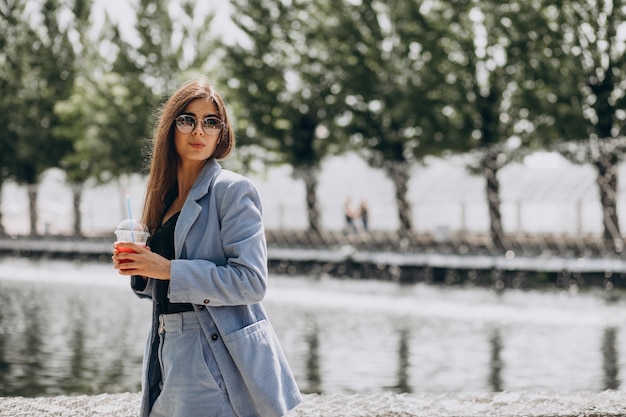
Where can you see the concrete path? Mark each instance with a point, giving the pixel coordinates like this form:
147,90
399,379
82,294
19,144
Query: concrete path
604,404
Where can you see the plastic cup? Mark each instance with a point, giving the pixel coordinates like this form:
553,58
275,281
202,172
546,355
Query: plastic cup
131,230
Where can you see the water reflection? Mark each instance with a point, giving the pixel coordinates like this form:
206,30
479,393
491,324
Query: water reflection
611,357
313,373
403,361
33,356
4,362
58,338
495,362
78,364
78,329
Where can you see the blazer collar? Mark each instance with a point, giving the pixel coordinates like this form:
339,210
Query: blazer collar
202,184
191,209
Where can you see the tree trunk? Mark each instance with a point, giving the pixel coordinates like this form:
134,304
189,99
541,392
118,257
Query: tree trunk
33,190
77,194
309,176
2,231
607,181
490,171
399,173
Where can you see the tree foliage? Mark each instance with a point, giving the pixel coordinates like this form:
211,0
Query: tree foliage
110,114
40,71
286,80
307,79
505,60
397,88
593,58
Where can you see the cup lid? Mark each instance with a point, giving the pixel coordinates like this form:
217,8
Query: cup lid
132,224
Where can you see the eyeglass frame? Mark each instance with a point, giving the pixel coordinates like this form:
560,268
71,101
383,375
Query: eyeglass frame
208,130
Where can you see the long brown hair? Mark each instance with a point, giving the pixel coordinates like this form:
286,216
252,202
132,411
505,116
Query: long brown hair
164,159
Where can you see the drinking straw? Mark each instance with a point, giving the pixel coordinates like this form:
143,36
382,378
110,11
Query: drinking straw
130,217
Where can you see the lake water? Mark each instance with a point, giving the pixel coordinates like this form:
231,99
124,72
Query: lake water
76,328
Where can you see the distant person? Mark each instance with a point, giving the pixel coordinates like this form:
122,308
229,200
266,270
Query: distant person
211,351
364,215
349,216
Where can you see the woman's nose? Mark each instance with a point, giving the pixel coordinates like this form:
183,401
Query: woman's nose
198,129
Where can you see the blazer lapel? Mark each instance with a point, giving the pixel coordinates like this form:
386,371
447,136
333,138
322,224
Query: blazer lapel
191,209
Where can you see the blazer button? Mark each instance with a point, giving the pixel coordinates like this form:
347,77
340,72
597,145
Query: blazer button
206,301
214,336
200,307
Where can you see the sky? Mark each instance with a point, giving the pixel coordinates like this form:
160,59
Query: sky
121,11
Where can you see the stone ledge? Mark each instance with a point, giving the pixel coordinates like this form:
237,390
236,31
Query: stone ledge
542,404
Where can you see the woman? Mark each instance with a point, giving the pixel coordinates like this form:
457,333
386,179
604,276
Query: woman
211,349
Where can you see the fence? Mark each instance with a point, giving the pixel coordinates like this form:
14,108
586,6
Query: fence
549,207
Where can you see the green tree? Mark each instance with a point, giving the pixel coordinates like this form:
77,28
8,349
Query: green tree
11,39
84,114
98,116
77,115
503,58
42,72
397,87
286,91
110,113
592,111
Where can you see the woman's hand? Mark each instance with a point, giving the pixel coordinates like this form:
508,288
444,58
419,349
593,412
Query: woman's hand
133,259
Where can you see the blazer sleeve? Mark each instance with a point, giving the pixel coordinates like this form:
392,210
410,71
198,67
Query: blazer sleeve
141,286
234,269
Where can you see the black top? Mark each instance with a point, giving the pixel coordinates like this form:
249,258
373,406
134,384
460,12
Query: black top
162,242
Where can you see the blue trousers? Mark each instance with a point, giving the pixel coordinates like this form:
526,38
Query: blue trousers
192,384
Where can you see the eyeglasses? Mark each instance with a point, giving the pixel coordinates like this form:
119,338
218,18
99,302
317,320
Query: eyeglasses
186,124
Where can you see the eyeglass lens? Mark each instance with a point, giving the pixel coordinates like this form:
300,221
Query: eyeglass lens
186,123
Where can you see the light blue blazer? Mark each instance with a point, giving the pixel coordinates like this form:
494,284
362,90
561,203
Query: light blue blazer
221,268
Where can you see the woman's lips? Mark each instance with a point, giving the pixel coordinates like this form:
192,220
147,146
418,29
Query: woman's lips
197,145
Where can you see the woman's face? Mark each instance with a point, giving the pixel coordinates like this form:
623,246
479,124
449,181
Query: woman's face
199,143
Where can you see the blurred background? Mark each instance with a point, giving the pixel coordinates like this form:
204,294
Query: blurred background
467,127
443,116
